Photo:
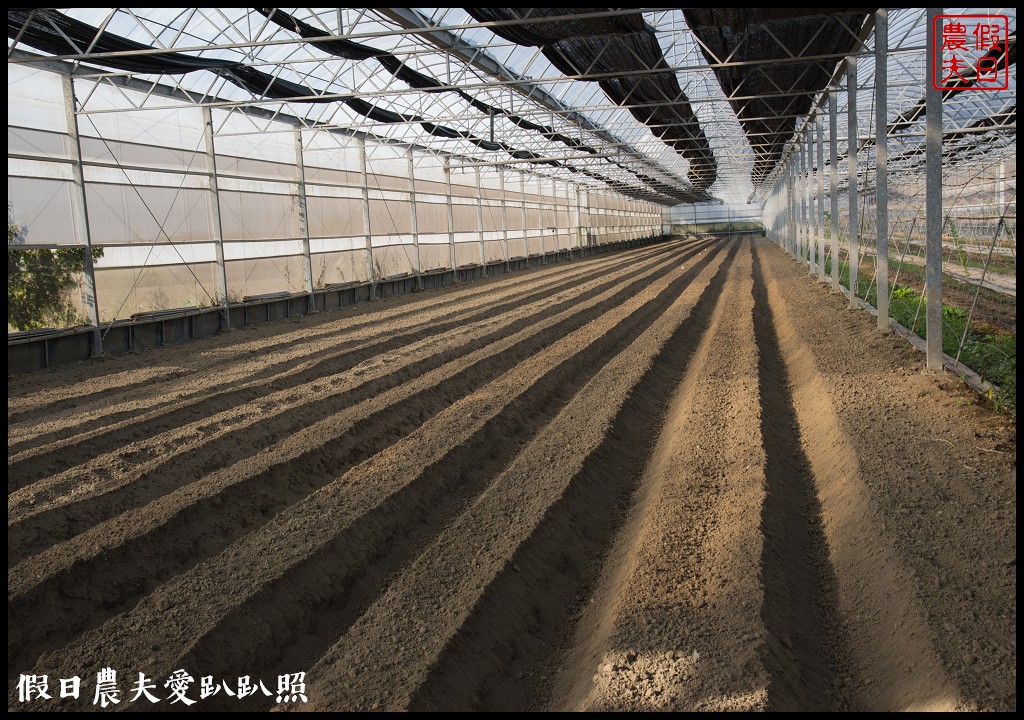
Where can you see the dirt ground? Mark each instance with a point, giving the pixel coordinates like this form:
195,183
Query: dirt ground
677,477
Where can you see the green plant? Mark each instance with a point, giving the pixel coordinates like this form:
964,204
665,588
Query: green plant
992,355
40,281
901,292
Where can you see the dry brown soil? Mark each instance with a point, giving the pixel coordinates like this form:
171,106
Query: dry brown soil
677,477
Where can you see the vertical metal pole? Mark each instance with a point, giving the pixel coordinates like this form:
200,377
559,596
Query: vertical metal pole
881,171
627,219
783,209
801,164
780,213
451,217
415,220
809,193
1001,187
504,214
802,191
522,197
779,220
801,229
371,271
819,127
783,230
797,220
585,224
480,220
794,228
853,261
630,228
620,219
933,204
784,203
215,220
792,171
82,211
559,209
307,258
773,201
833,188
813,193
543,235
570,213
579,220
631,219
790,211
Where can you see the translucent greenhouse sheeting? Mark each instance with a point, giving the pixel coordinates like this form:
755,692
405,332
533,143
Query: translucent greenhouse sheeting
716,213
152,208
35,100
54,32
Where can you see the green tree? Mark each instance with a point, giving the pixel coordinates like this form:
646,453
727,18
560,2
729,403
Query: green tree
39,283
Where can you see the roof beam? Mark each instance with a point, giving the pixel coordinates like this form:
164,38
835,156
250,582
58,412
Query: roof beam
475,56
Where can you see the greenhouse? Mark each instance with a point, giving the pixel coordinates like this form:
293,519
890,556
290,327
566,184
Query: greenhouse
511,359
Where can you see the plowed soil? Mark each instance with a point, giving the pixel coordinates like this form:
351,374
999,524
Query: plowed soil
677,477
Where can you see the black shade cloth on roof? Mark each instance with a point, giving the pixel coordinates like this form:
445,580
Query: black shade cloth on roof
413,78
622,54
263,85
57,34
775,93
377,113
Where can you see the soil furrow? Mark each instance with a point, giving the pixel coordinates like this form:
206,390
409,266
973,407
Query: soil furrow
179,529
673,623
68,392
509,649
803,650
34,458
892,662
113,484
154,632
395,643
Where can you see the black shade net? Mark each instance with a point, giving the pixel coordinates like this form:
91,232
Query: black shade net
621,53
768,97
57,34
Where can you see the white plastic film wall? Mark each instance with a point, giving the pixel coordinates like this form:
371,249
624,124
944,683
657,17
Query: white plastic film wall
365,206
